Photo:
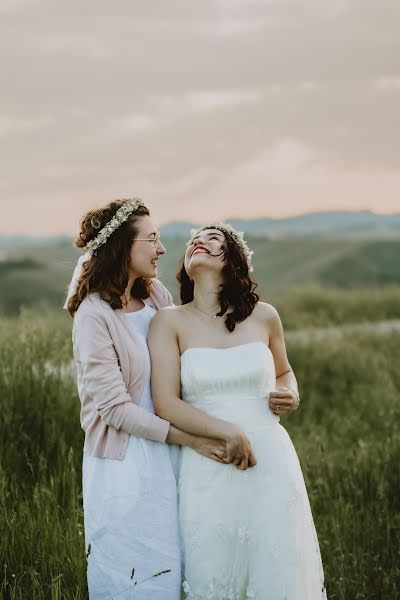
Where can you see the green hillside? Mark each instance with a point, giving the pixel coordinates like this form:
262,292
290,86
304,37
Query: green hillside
373,263
283,263
283,268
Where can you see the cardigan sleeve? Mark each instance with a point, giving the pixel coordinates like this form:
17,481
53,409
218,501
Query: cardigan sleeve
102,380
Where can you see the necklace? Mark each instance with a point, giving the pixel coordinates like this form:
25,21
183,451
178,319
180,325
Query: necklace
206,313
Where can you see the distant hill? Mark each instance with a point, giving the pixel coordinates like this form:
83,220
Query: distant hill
15,241
374,263
177,229
356,224
281,266
322,224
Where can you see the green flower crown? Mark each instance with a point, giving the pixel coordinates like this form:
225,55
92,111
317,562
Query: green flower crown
120,217
237,236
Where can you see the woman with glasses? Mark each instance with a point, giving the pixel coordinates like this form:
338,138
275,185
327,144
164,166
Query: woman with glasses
129,485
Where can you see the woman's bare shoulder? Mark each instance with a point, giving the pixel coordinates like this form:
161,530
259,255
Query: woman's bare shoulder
169,315
266,312
269,319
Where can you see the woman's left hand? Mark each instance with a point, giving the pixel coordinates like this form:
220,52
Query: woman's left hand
283,401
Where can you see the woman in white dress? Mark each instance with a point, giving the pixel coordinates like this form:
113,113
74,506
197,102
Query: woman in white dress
247,533
129,484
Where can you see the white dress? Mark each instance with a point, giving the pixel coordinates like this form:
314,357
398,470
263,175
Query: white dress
245,534
131,514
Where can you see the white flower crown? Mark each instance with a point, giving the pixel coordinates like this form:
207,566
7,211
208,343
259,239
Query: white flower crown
120,217
238,237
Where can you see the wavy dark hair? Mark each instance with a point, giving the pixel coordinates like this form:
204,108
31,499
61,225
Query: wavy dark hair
107,271
237,290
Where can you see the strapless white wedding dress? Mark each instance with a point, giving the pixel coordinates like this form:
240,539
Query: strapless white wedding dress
245,534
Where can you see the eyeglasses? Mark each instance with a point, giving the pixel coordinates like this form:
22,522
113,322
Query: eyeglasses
154,239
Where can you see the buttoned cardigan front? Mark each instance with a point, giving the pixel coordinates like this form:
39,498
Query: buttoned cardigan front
111,372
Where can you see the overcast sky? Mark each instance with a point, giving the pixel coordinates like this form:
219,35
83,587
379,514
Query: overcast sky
211,109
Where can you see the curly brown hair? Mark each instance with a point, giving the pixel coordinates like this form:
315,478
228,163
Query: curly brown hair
107,270
237,290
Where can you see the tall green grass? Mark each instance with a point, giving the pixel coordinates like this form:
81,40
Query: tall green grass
41,519
345,433
348,441
321,307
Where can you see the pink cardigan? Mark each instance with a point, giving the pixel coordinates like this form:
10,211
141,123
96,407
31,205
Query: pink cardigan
111,374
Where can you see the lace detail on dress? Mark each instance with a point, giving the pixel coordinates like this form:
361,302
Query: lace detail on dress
228,590
224,587
193,534
244,535
222,590
229,534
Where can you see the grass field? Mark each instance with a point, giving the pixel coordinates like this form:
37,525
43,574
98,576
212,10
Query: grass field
345,434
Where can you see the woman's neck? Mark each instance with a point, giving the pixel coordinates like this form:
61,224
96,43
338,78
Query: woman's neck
126,297
206,292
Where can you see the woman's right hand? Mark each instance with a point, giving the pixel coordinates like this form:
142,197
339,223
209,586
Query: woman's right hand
209,447
238,450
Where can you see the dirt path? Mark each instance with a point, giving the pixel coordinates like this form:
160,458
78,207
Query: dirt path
308,335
